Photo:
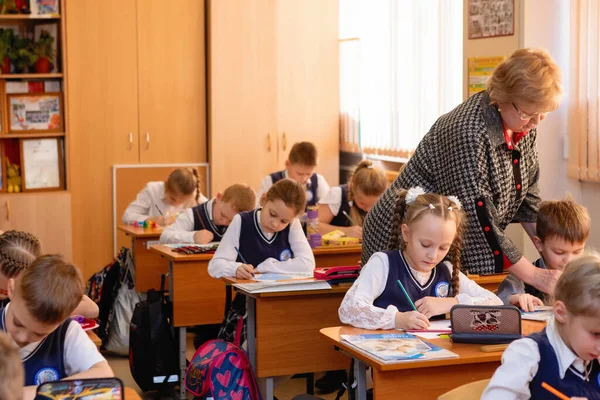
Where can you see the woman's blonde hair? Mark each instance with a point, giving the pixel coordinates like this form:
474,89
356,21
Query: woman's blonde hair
529,77
430,204
579,286
370,181
184,181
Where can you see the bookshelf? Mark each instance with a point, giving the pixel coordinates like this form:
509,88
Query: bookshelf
32,101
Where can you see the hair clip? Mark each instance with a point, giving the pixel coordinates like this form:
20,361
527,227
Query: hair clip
370,166
431,206
413,193
455,200
450,208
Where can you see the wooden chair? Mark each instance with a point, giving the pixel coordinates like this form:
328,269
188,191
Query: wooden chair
469,391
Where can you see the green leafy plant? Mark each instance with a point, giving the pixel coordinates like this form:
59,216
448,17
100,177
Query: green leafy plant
25,56
7,39
43,47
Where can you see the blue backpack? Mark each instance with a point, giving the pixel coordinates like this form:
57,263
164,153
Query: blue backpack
221,370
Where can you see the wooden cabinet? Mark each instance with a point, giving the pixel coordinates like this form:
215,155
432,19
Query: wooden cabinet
138,89
273,78
46,215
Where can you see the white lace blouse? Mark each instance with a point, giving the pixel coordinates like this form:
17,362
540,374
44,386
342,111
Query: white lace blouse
357,308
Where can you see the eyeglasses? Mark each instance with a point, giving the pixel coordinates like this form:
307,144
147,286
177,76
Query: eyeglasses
524,116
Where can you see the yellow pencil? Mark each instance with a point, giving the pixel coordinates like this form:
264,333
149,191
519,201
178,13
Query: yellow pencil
555,392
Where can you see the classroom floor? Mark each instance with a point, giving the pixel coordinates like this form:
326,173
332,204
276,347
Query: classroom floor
285,389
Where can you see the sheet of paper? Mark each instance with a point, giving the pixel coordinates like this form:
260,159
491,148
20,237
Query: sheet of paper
436,325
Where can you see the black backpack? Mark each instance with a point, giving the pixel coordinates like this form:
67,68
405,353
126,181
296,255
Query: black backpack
152,343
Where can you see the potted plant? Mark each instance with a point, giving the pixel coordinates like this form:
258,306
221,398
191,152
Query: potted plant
44,53
25,57
7,52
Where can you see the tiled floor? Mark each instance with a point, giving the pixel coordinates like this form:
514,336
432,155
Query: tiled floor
284,390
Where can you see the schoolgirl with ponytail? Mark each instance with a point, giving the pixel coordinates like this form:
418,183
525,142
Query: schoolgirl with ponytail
158,200
424,256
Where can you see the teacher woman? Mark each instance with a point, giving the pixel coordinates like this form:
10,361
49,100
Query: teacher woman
484,152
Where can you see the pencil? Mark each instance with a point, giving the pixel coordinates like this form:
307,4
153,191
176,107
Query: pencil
156,205
407,296
349,219
554,391
242,257
203,227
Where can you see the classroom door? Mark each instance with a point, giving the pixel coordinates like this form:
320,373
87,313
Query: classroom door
172,100
243,99
308,80
103,117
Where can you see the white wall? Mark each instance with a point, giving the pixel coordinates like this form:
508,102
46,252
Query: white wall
546,24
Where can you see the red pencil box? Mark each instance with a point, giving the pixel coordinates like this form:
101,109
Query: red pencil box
342,272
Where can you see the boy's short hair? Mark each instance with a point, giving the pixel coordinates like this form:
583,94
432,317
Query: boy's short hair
304,153
11,370
51,289
240,196
564,219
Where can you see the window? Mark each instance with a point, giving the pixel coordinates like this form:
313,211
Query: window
400,69
584,107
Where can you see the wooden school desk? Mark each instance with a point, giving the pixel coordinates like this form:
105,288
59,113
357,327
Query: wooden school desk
131,394
283,332
420,379
149,266
489,282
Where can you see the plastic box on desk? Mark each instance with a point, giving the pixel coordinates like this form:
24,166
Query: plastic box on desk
333,273
485,324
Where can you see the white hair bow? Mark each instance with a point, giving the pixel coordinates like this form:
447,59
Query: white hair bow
413,193
455,200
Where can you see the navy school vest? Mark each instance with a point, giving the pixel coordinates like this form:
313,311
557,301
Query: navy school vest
203,221
254,245
438,284
46,362
340,219
573,384
311,192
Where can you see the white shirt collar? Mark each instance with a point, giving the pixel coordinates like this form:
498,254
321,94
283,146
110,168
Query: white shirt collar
268,235
564,354
209,209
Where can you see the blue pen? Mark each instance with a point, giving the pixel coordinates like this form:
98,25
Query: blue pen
406,294
242,258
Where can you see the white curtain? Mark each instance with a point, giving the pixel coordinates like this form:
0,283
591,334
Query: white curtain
584,111
401,68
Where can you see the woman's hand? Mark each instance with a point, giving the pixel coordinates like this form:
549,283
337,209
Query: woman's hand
545,279
431,306
202,237
526,301
245,271
411,320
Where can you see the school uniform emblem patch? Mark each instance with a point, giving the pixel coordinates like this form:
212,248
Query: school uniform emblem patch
441,289
46,375
285,255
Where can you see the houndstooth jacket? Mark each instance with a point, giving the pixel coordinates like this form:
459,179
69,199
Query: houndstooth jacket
466,155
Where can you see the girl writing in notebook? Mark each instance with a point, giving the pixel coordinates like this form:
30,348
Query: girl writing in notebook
565,354
425,263
158,201
344,207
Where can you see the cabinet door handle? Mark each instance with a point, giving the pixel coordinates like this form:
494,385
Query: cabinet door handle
8,210
147,140
130,140
283,142
269,142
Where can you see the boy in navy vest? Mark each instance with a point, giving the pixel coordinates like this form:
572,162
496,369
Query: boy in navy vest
565,354
11,370
562,229
300,167
208,221
51,345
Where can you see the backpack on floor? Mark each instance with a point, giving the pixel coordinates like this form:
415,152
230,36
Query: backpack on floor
221,370
152,344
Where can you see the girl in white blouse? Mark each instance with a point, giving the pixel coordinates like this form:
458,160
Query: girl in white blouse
158,201
431,228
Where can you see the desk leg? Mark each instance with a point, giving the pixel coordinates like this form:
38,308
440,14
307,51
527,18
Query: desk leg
360,375
251,330
182,340
266,387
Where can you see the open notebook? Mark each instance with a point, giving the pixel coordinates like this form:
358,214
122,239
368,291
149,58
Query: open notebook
392,348
282,283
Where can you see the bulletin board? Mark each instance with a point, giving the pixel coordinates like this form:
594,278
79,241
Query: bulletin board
480,70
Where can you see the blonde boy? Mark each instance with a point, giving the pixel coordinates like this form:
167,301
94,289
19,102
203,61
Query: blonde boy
562,229
300,166
52,346
208,221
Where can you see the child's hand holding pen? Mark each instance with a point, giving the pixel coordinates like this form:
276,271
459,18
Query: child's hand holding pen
245,271
411,320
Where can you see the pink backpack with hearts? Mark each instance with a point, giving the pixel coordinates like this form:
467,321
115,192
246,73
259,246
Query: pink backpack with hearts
221,370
